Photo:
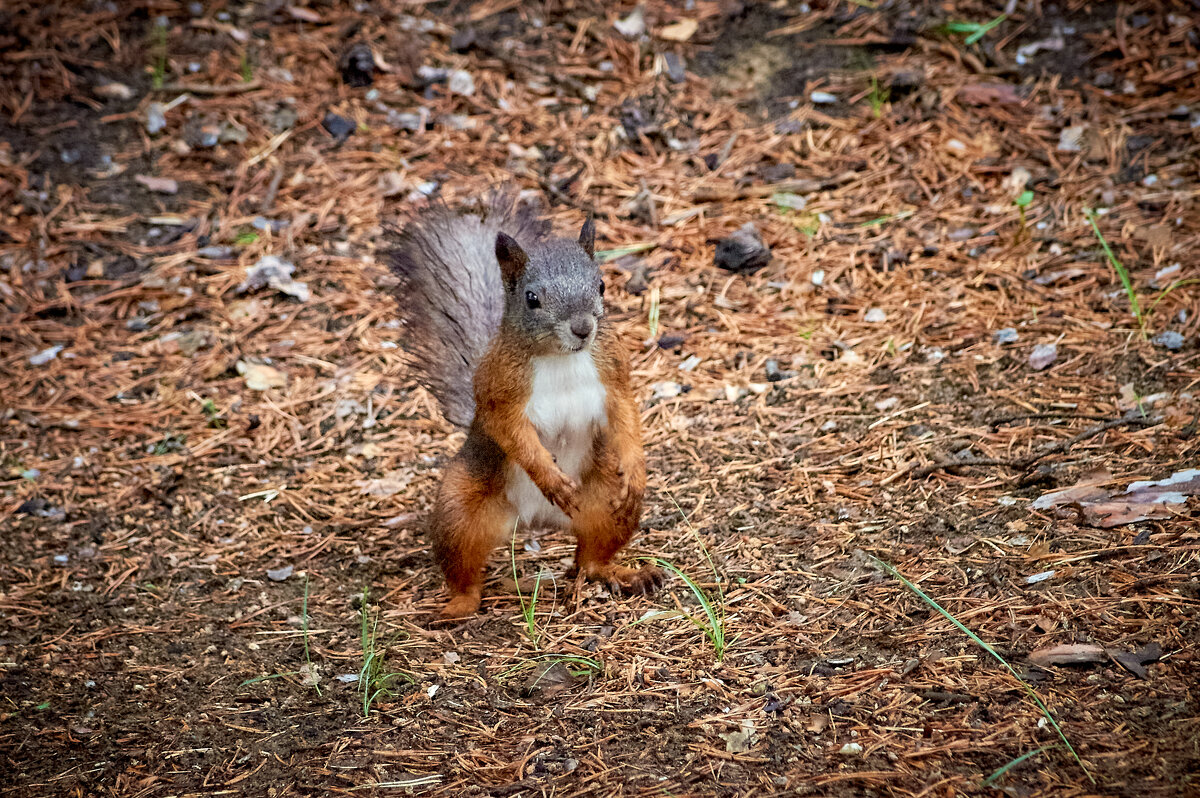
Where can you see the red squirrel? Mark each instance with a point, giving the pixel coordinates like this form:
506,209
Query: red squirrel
505,327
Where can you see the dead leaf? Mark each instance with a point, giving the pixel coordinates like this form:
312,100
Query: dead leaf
1141,501
260,376
163,185
739,742
275,272
548,679
389,484
988,94
303,14
1135,661
1068,654
681,31
1087,489
1106,515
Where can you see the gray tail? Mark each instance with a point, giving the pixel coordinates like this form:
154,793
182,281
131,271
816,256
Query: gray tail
450,294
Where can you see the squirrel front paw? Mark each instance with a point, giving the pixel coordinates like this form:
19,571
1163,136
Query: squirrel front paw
629,487
562,491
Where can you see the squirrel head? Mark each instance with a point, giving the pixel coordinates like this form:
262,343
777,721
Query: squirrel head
553,292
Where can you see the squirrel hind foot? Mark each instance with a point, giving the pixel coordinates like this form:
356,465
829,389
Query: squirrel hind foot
459,608
625,581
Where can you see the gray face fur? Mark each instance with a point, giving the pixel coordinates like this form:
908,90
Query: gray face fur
556,300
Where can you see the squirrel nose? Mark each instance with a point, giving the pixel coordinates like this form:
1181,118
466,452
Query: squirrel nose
582,327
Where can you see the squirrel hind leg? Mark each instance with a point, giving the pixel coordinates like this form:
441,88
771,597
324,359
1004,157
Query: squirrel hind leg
600,534
468,524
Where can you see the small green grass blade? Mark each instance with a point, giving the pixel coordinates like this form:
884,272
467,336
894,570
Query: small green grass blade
996,656
999,773
1120,269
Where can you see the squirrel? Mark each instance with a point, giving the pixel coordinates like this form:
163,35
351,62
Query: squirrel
505,326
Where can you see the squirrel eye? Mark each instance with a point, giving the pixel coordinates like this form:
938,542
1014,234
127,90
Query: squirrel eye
601,288
531,299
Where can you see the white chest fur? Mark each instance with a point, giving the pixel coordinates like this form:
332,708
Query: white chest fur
566,407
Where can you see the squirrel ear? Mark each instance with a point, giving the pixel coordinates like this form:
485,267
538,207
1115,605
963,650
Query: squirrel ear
512,259
587,236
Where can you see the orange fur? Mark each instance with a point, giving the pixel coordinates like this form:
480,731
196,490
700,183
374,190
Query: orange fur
472,515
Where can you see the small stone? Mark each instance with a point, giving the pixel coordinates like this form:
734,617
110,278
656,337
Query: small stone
633,25
408,120
1007,335
1042,577
391,184
823,98
461,82
45,356
743,251
818,277
776,374
156,118
280,574
358,65
201,134
1042,356
1070,139
676,70
338,126
851,749
273,271
113,91
463,39
1170,339
283,118
875,316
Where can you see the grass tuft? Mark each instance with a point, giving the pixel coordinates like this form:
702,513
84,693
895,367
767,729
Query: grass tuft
976,30
999,773
1121,271
528,609
304,630
374,679
995,655
712,624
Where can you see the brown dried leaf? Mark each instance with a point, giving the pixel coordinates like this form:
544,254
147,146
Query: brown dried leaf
988,93
163,185
680,31
1068,654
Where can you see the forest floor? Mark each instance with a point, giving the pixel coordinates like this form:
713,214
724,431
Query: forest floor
213,577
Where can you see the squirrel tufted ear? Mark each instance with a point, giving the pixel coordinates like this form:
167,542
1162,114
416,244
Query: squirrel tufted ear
587,236
512,259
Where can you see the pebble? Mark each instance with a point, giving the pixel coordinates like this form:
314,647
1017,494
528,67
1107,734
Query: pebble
280,574
633,25
776,374
1042,356
875,316
1170,339
743,251
823,98
45,356
676,70
461,82
1006,336
338,126
156,118
358,65
1070,139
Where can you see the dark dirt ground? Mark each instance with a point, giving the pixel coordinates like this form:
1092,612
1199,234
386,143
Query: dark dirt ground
147,488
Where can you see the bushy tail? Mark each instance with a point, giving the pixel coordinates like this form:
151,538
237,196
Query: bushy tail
450,295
